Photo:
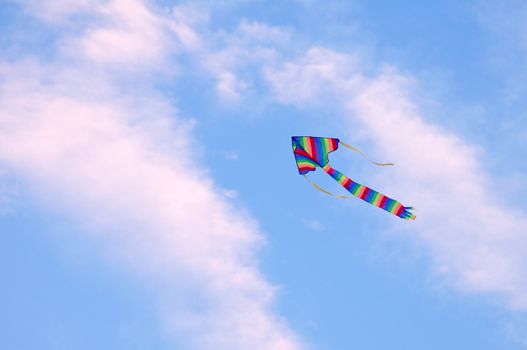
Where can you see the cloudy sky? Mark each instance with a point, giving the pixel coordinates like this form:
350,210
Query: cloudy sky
149,197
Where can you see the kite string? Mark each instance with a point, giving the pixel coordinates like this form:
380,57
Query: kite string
356,150
323,190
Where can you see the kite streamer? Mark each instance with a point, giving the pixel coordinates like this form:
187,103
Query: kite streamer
312,152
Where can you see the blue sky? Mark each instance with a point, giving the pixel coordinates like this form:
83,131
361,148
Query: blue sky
149,197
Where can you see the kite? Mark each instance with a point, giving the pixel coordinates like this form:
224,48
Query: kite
312,152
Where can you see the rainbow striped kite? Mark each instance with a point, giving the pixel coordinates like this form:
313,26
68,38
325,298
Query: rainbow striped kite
311,152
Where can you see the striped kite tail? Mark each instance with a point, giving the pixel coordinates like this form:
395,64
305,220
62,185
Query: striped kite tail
371,196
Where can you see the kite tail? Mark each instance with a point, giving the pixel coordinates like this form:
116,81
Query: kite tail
371,196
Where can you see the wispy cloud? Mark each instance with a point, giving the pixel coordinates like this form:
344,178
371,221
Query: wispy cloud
111,151
232,59
59,11
474,239
314,225
476,242
231,155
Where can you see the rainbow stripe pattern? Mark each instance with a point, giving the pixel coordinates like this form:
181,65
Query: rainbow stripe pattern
311,152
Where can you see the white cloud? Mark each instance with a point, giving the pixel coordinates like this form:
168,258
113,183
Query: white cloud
476,242
124,164
231,193
230,58
57,12
229,87
259,32
129,33
303,81
121,34
185,18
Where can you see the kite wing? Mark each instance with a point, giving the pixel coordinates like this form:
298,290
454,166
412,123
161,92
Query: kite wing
312,152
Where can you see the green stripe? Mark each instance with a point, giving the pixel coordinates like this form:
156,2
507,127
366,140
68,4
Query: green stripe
375,197
390,207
